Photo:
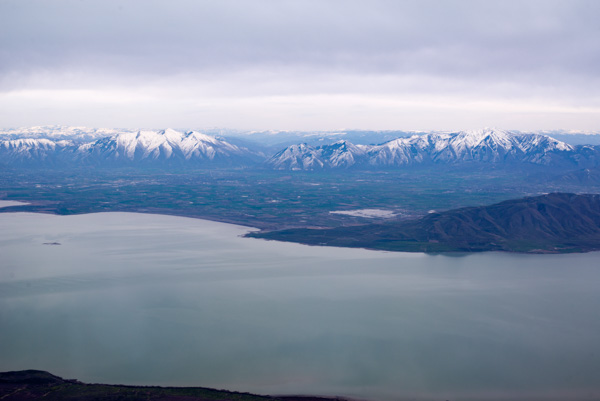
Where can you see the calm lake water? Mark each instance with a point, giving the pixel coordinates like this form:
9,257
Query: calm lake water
150,299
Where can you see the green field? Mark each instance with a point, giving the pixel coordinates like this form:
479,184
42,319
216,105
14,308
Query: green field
267,199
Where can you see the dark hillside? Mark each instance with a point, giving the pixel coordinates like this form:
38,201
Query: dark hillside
29,385
557,222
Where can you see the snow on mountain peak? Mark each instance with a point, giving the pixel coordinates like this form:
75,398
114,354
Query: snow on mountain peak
198,136
167,144
489,145
484,145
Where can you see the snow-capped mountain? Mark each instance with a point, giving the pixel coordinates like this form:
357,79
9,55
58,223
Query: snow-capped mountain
168,147
33,151
487,145
59,132
297,157
307,157
164,146
41,146
343,153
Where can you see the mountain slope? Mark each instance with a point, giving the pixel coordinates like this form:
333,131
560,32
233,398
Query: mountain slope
30,151
297,157
58,132
307,157
70,146
482,146
555,222
167,147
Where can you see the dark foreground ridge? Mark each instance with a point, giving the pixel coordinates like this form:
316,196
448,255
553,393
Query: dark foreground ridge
36,384
552,223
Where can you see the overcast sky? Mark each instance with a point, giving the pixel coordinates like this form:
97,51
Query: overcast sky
305,65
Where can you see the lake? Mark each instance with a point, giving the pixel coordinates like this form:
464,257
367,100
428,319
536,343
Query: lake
161,300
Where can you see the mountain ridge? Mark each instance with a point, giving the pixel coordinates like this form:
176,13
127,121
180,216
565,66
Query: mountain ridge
144,147
552,223
175,148
485,146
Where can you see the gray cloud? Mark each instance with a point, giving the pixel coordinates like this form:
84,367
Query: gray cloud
510,49
169,37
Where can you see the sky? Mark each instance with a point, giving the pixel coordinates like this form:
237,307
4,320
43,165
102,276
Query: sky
301,65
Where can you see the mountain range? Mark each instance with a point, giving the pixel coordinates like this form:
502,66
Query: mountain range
78,146
484,146
166,147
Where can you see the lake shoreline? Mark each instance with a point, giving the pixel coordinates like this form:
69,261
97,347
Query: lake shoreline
30,384
269,234
38,207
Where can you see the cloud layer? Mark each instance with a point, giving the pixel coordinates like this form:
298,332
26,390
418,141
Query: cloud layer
301,64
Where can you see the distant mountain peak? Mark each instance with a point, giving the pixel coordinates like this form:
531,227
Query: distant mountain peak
488,145
167,146
68,145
